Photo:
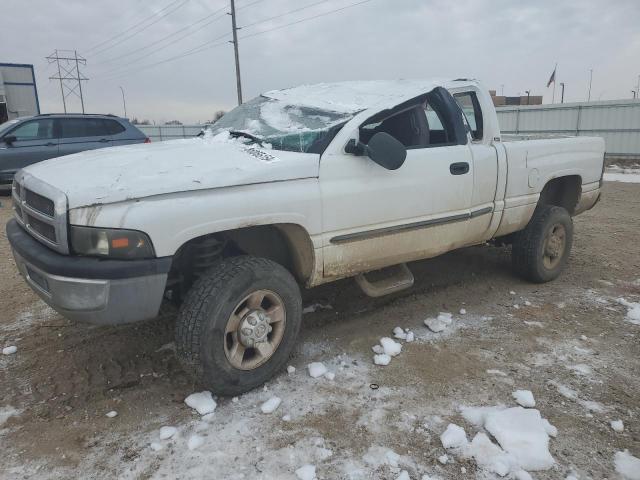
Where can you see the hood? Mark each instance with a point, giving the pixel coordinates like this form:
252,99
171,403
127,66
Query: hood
136,171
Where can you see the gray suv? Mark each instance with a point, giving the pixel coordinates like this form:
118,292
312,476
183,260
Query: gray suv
28,140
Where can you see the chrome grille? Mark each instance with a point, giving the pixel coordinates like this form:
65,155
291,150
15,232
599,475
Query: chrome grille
39,203
41,210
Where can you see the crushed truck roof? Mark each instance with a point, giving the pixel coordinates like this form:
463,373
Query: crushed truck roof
355,96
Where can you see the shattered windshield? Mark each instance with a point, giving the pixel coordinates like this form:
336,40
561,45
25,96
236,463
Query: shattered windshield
282,126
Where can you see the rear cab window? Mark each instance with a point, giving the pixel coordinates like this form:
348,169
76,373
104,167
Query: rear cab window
470,106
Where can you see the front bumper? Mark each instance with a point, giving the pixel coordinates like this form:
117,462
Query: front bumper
103,292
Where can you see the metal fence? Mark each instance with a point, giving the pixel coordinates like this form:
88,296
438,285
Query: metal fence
617,121
158,133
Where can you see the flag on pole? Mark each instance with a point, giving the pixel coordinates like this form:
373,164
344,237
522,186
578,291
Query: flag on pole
552,78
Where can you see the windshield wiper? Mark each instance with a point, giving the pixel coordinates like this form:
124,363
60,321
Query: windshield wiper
240,133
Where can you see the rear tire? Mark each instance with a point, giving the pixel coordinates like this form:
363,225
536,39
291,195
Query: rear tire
238,324
540,251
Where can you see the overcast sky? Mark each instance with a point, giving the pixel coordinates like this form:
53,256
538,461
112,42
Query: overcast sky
499,42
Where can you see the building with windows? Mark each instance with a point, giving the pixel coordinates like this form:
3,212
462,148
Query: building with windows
18,91
501,100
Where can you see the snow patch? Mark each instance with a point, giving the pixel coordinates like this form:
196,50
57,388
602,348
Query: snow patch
633,312
306,472
167,432
439,323
627,465
195,441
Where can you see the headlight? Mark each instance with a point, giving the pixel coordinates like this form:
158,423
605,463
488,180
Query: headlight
111,243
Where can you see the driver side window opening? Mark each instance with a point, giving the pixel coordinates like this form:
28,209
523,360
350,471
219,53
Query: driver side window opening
421,125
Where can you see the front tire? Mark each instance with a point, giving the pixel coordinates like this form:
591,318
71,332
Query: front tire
541,251
238,324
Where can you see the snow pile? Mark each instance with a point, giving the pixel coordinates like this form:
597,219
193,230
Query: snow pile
386,349
617,426
633,312
9,350
306,472
377,456
522,436
291,369
440,323
524,398
522,433
201,402
167,432
627,465
317,369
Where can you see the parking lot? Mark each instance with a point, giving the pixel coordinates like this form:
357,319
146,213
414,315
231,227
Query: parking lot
568,341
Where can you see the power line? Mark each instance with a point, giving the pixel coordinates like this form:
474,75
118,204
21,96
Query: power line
304,19
198,49
131,27
284,14
149,45
127,37
211,44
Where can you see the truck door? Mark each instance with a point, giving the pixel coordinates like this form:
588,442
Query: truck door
34,141
485,163
373,217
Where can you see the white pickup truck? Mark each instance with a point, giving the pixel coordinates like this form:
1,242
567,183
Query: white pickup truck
300,186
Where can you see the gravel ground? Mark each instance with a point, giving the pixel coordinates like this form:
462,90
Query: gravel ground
568,334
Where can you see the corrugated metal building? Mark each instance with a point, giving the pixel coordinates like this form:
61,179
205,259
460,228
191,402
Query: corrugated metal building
18,91
617,121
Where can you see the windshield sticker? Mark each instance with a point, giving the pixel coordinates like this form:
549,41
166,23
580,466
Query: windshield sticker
260,154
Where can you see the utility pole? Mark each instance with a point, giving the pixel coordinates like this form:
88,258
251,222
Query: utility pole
562,94
235,29
502,90
528,92
124,104
590,80
634,94
69,74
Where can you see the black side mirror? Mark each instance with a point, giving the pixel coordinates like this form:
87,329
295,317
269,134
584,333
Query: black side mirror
383,149
9,139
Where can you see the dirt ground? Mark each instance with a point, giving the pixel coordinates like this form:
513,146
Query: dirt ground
65,376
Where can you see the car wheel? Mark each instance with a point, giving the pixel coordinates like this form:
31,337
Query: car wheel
540,251
238,324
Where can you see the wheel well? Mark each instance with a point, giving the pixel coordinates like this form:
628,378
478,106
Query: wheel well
285,243
562,192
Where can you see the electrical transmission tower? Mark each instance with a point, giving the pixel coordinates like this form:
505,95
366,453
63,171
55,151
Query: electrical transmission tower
69,75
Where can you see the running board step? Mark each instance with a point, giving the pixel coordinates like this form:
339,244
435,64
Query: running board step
399,278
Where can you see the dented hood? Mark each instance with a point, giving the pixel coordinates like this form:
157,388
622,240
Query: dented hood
123,173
